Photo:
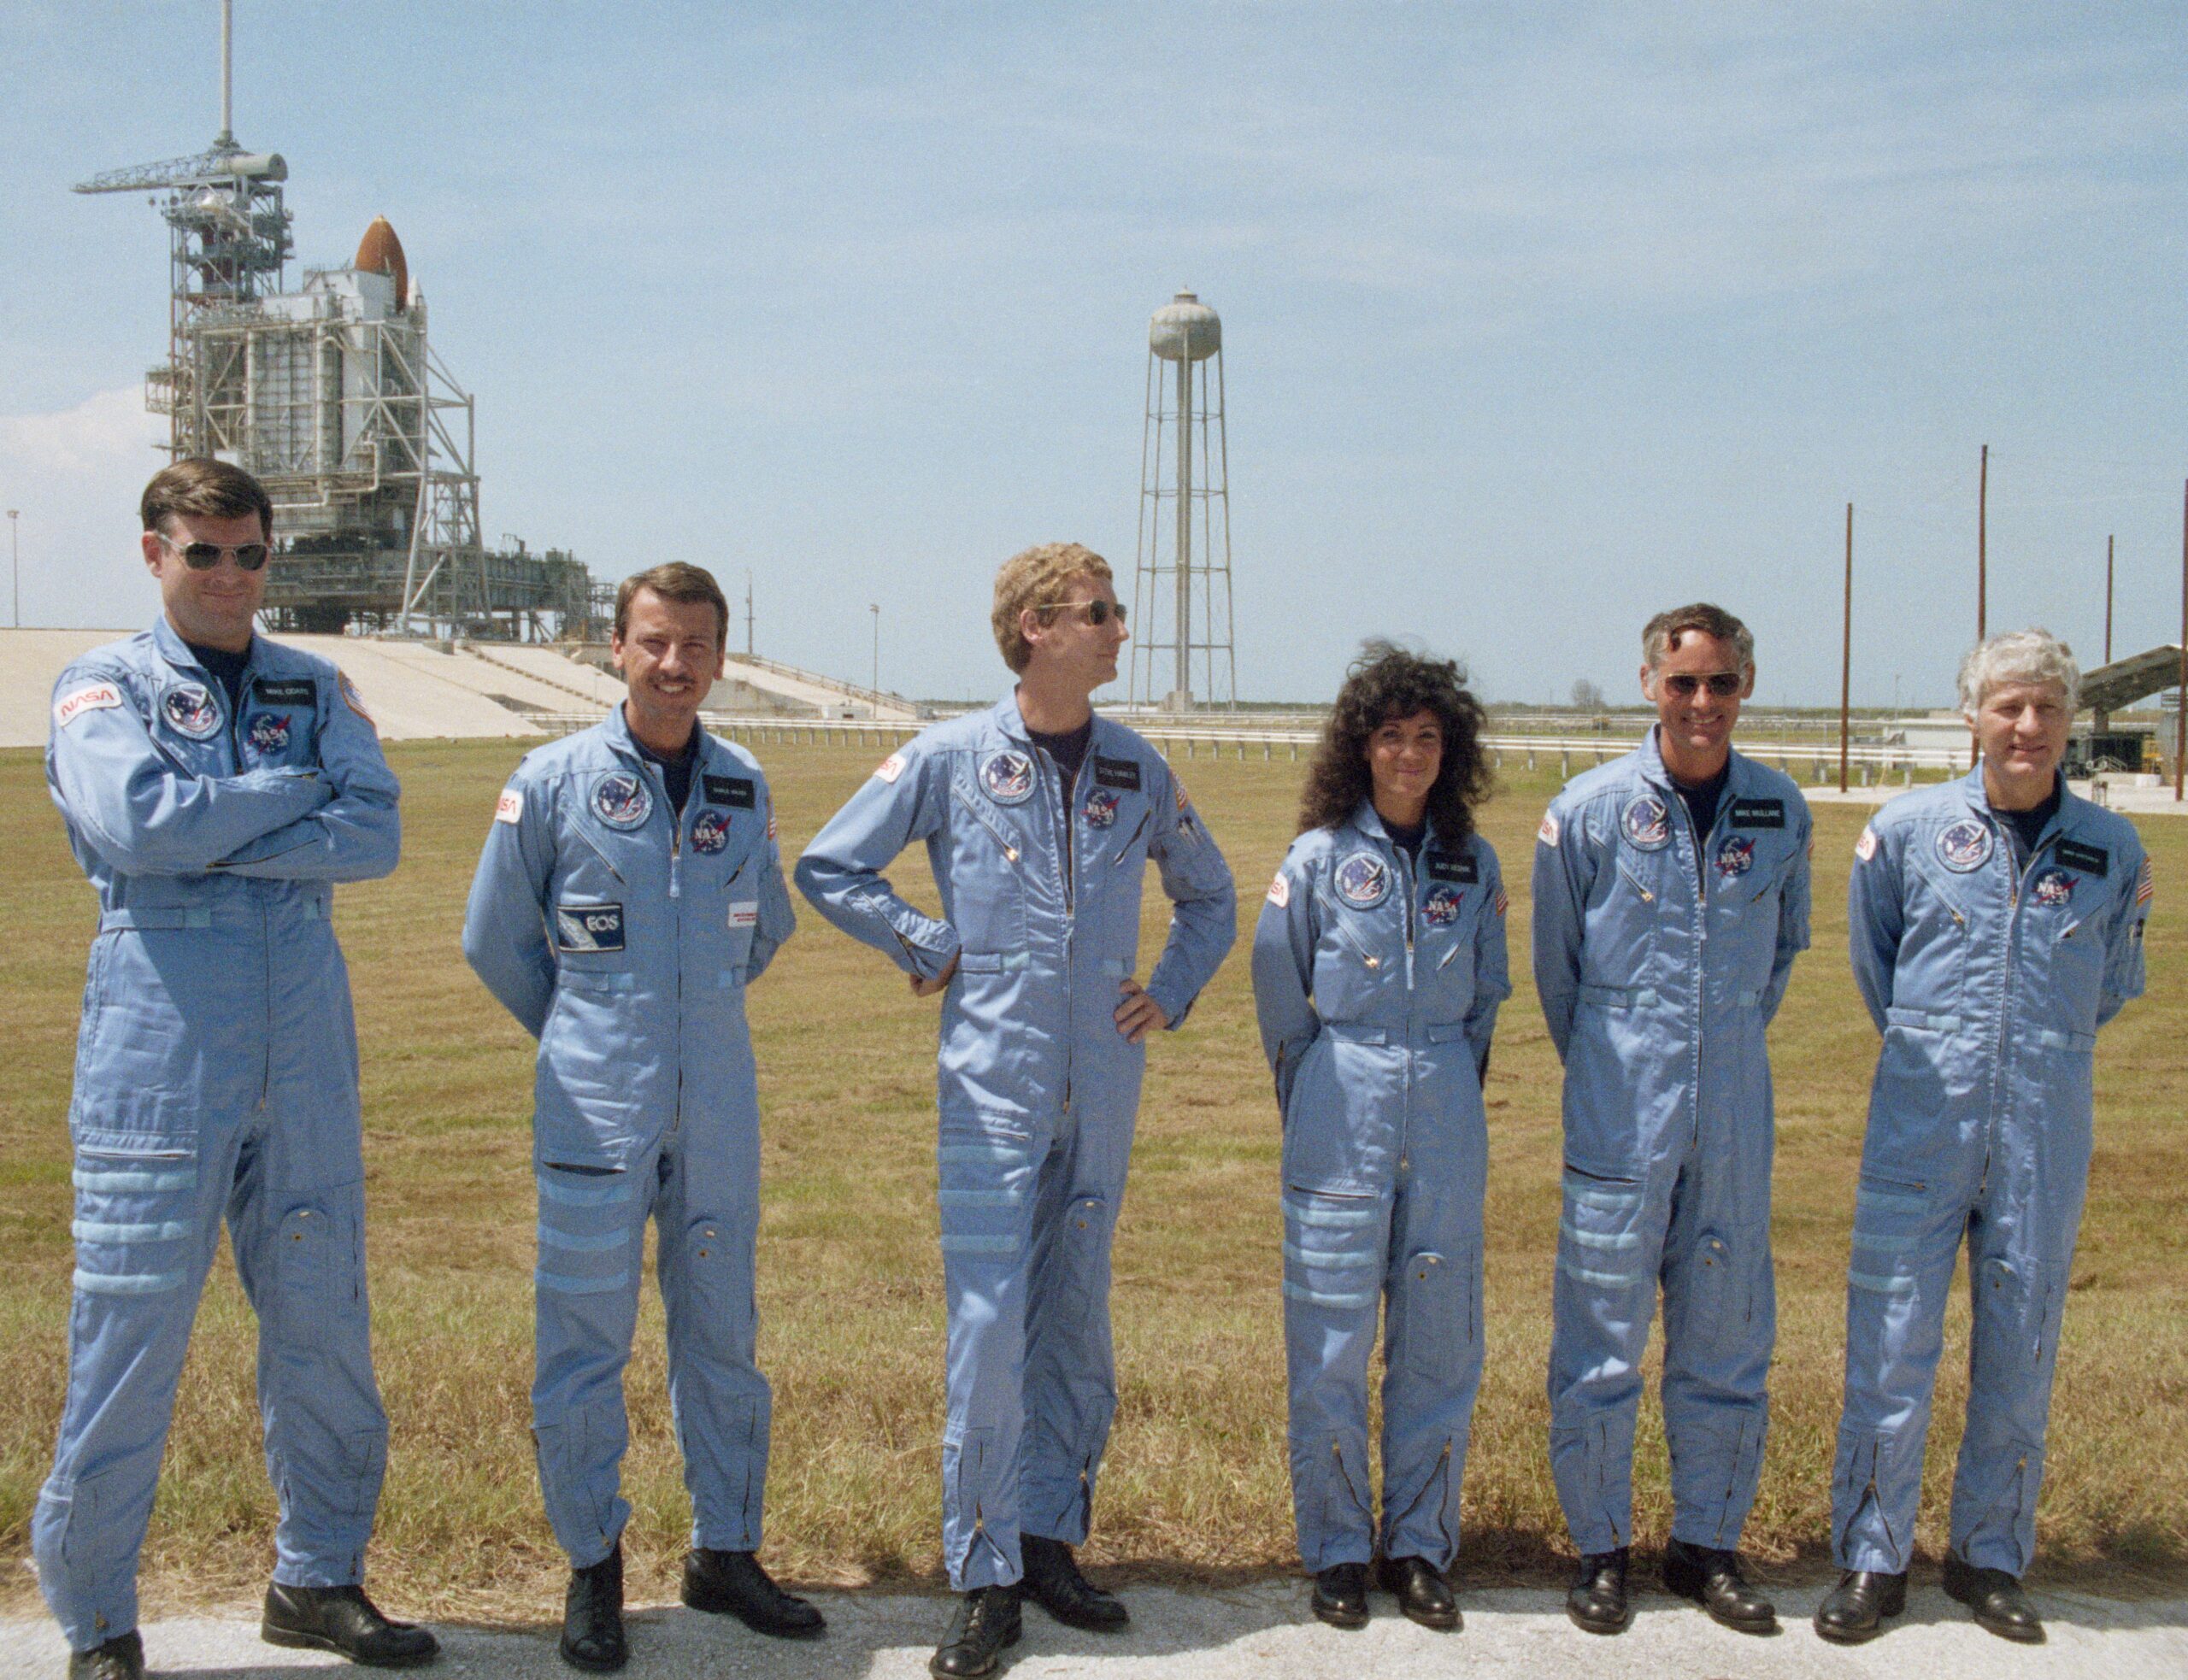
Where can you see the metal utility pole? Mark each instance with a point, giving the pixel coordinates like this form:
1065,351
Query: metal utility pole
1982,570
16,565
748,612
2181,715
876,610
1846,654
2107,600
227,74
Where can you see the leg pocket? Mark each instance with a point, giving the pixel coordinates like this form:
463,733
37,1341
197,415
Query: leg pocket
1431,1323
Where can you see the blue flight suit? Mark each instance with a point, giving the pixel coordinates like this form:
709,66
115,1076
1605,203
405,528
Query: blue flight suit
216,1076
1988,983
1377,985
1661,955
621,935
1038,1090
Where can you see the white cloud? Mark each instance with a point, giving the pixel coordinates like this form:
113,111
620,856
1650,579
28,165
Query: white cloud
74,475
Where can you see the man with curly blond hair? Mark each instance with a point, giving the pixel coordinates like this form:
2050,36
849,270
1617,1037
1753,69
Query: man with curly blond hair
1039,819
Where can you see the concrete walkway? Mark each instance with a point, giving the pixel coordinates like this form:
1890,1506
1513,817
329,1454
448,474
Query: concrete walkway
1262,1630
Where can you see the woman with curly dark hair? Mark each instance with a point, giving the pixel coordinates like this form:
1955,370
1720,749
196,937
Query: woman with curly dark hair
1379,963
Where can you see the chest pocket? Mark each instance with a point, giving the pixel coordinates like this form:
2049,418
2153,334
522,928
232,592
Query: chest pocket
2062,919
1932,964
988,861
1359,954
1446,922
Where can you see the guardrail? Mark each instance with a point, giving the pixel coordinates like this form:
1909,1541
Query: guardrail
1870,763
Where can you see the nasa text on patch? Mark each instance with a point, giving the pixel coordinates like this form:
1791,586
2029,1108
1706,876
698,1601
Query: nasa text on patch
738,792
2092,860
286,692
1758,813
1462,869
95,698
1116,773
588,927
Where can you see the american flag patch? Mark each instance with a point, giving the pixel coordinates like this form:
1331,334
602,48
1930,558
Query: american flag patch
2144,884
1502,902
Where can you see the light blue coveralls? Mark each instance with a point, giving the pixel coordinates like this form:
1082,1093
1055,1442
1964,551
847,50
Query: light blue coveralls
216,1075
1038,1090
621,935
1661,955
1377,985
1989,983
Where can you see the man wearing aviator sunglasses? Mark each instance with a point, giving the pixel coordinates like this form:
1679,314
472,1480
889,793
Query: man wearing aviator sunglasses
1671,896
216,786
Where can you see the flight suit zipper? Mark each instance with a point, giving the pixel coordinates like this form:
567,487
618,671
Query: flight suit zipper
1700,945
1405,1099
1010,851
675,917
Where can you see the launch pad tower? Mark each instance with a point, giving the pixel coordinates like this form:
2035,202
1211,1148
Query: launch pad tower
332,397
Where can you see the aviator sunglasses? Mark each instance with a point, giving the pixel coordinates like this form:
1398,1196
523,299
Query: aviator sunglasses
1722,683
204,556
1098,613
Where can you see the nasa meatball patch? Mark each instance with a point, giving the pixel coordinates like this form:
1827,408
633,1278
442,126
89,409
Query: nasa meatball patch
189,710
582,929
269,732
1007,776
709,831
1441,908
621,800
2052,887
1735,857
1101,810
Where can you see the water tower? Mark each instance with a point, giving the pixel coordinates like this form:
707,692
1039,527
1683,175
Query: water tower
1181,584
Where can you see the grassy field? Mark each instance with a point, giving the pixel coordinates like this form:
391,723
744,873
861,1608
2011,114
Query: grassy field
850,1277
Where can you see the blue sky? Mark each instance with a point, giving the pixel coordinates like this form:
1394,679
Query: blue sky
1535,319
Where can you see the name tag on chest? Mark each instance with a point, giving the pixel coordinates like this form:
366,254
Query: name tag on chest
1758,813
737,792
1116,773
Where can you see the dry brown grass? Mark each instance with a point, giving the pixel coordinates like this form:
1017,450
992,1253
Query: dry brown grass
849,1274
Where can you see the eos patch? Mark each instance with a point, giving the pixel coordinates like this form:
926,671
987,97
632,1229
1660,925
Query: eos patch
1122,773
710,831
269,732
1866,847
622,800
285,691
189,710
1735,857
583,928
1464,870
1441,908
739,793
510,807
2091,859
96,697
1758,813
1008,776
2052,887
1363,880
1548,832
1280,890
1101,811
1964,845
745,912
891,767
1646,823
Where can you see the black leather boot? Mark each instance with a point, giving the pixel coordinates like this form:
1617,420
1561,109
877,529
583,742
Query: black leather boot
1997,1599
1596,1599
1341,1595
733,1583
343,1620
1052,1581
1712,1579
986,1623
592,1617
121,1658
1421,1591
1854,1609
